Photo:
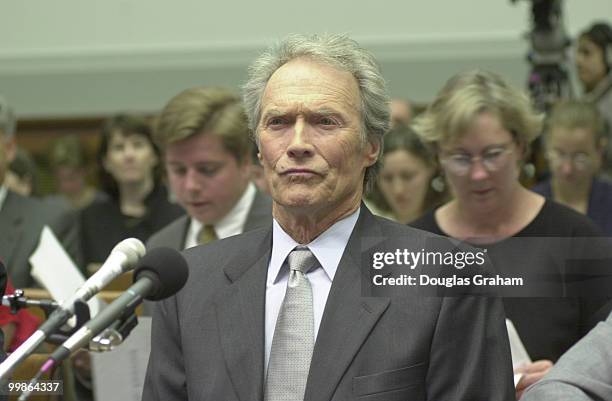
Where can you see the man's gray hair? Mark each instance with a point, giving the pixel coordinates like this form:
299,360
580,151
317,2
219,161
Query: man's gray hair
340,52
8,123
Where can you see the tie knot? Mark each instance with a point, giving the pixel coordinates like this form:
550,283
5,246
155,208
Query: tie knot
301,259
207,234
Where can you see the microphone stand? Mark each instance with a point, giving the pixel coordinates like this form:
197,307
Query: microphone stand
105,341
81,312
18,300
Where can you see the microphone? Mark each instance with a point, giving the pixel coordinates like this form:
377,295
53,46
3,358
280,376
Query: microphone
18,300
161,273
121,259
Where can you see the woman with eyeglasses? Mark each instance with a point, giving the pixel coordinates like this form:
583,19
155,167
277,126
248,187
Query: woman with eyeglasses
481,128
575,145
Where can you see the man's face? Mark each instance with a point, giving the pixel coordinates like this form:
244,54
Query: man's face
7,154
207,180
309,134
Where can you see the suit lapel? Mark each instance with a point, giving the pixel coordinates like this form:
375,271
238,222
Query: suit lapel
181,233
348,318
241,318
11,221
260,214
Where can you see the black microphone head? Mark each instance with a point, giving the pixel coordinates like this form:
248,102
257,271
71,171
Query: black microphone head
168,270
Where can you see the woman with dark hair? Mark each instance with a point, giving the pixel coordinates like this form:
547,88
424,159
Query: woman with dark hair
593,63
407,184
138,203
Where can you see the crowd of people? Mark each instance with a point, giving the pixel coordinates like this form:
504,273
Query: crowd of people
296,166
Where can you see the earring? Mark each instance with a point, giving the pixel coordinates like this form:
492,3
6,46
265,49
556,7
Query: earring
529,170
438,183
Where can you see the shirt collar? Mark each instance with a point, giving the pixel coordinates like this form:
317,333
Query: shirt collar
233,222
230,224
328,247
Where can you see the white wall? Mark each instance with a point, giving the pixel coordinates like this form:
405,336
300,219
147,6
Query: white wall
87,57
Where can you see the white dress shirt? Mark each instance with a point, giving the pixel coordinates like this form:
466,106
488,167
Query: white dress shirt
327,248
231,224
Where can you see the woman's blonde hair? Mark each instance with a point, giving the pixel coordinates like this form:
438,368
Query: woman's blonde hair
465,96
572,114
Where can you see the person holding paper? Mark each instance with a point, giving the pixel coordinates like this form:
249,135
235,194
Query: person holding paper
481,128
21,218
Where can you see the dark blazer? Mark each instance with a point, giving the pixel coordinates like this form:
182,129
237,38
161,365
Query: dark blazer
102,225
173,235
208,340
21,222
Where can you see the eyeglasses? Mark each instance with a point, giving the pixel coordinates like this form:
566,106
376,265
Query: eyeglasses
492,160
580,161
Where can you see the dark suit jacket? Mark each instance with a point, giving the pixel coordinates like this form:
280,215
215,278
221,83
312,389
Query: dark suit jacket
208,340
21,221
173,235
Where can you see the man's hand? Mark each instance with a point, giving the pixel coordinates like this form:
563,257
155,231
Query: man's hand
532,372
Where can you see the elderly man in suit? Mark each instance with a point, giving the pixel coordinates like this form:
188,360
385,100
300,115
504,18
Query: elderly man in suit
21,218
279,313
204,135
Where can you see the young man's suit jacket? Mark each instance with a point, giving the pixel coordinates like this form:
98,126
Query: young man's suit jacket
173,235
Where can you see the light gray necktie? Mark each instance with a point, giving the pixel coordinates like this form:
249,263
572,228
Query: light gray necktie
293,340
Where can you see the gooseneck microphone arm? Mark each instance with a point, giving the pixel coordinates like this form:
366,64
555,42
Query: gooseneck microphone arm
19,300
161,273
80,339
122,258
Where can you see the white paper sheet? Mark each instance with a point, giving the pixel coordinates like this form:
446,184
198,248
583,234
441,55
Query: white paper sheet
517,349
120,373
53,269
